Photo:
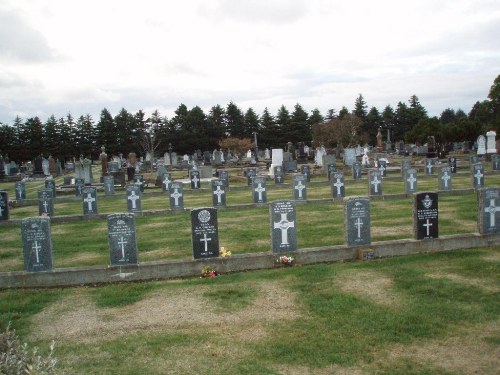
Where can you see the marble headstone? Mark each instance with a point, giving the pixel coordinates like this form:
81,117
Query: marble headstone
425,215
122,239
204,233
357,221
166,182
259,190
283,217
194,177
37,244
429,166
133,193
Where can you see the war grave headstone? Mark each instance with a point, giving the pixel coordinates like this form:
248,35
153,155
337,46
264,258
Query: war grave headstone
251,173
259,190
79,185
429,166
405,165
477,175
139,181
375,182
306,171
166,181
218,193
89,200
445,178
357,221
488,210
349,156
452,162
299,188
283,218
338,185
45,202
356,171
20,190
37,244
194,177
382,167
4,205
51,184
495,162
204,233
425,215
328,160
133,193
109,185
224,177
176,192
411,180
278,175
122,239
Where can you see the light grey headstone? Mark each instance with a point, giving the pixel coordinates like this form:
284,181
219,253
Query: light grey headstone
4,205
79,184
299,188
133,193
195,179
160,171
445,178
349,156
166,182
477,175
113,167
45,202
20,190
488,210
425,215
327,160
357,221
206,171
122,239
109,185
283,217
375,182
217,157
89,200
382,167
204,233
218,193
259,190
37,244
411,180
176,193
338,185
174,159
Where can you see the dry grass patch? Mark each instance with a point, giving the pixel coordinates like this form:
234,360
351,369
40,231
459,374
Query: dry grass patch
480,283
495,257
394,230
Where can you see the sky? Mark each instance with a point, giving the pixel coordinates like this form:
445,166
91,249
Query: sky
79,57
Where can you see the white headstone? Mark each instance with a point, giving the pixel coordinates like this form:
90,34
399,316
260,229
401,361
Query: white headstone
491,147
481,145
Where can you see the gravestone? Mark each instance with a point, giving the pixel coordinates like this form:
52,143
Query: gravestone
452,162
109,185
37,244
79,185
299,188
425,215
429,166
328,160
122,239
45,202
38,168
481,145
45,167
306,171
357,221
405,164
477,175
194,177
51,185
374,182
473,159
488,210
491,144
338,185
349,156
166,182
445,178
217,157
176,192
283,217
411,180
113,167
204,233
224,177
495,162
139,181
206,171
87,171
20,190
4,205
382,167
251,173
160,172
218,193
133,193
331,169
259,190
356,171
278,175
89,200
67,180
290,166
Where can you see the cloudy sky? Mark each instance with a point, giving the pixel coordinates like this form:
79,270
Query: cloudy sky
59,56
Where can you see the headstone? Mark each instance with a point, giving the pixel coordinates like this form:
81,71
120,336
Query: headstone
176,193
122,239
45,203
251,173
139,181
51,184
306,171
283,218
452,162
445,178
349,156
431,147
357,221
20,190
405,164
375,182
338,185
133,193
38,169
79,185
174,159
89,200
109,185
204,233
477,175
473,159
206,171
382,167
166,181
356,171
259,190
45,167
166,159
4,205
194,176
279,178
290,166
328,159
425,215
489,208
495,162
331,169
299,188
411,180
491,147
67,180
218,193
160,171
37,244
267,154
207,157
318,158
224,177
481,145
217,157
87,171
429,166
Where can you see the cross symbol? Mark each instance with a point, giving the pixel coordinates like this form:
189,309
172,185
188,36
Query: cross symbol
411,180
478,176
284,225
445,177
429,168
45,204
382,168
259,189
37,249
375,182
89,201
138,181
427,226
167,181
176,195
133,197
358,224
357,171
219,193
338,185
122,243
195,179
19,190
205,239
279,177
492,209
299,187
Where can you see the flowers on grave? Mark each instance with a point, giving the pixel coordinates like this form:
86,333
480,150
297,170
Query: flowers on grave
223,253
208,271
287,260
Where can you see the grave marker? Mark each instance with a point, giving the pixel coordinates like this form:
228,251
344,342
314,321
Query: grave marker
20,190
477,176
218,193
166,182
382,167
37,244
122,239
357,221
331,169
356,171
306,171
194,176
251,173
79,184
445,178
405,165
495,162
375,183
259,190
411,180
429,166
338,185
452,162
133,193
204,233
278,175
139,181
425,215
89,200
283,226
4,205
51,184
299,188
489,208
45,202
224,177
176,195
109,185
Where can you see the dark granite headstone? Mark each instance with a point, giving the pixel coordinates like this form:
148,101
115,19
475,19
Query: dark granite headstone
382,167
20,190
488,210
425,215
375,183
194,177
331,169
224,177
51,184
477,175
113,167
166,182
429,166
405,164
67,180
306,171
133,193
495,162
45,202
38,170
251,173
176,192
279,178
411,180
218,193
122,239
37,244
473,159
356,171
445,178
139,181
338,185
259,190
299,188
79,184
204,233
290,166
283,218
109,185
4,205
89,200
357,221
452,162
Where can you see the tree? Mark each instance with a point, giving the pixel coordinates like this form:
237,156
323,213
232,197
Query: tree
283,123
494,96
448,116
300,129
417,111
216,122
235,121
360,107
236,145
337,132
342,113
315,117
34,135
107,134
251,121
330,115
269,130
371,124
51,140
85,135
403,121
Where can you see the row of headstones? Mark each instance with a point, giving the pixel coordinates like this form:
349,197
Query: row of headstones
37,242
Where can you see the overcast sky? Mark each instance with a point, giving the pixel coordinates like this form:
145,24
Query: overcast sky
60,56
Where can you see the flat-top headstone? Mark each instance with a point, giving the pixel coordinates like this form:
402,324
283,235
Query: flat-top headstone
331,169
477,175
251,173
411,180
328,159
194,177
489,210
278,175
89,200
375,182
224,177
79,184
299,188
473,159
37,244
133,193
481,145
349,156
283,217
4,205
306,171
113,167
425,215
259,190
495,162
357,221
51,184
382,167
429,166
166,181
176,194
204,233
109,185
452,162
338,185
122,239
218,193
356,171
20,190
139,181
445,178
45,202
405,164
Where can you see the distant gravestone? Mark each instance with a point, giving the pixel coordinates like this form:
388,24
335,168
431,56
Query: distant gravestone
481,145
411,180
51,185
445,178
299,188
45,203
331,169
37,244
4,205
405,164
489,210
425,215
452,162
218,193
306,171
204,233
217,157
176,192
283,218
194,177
251,173
113,167
473,159
259,190
477,176
79,184
139,181
109,185
290,165
338,185
20,190
495,162
224,177
357,221
133,193
429,166
349,156
67,180
382,167
356,171
166,182
278,175
206,171
122,239
328,160
375,182
89,200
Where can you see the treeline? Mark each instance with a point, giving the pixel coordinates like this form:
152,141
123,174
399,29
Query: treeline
191,129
